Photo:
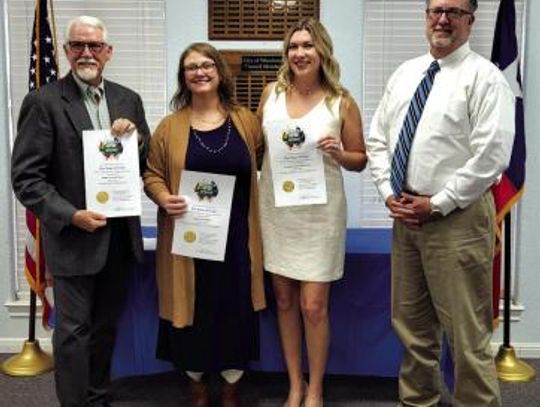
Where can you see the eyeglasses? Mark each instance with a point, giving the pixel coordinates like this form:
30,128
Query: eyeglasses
206,67
452,13
93,47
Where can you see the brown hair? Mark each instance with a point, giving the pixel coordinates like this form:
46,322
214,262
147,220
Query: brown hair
182,96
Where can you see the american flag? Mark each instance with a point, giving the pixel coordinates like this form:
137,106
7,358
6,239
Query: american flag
43,69
508,191
43,66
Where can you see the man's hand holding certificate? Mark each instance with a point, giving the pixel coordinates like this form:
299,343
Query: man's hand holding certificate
202,231
111,173
296,163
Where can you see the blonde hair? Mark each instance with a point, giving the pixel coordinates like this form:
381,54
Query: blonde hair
329,71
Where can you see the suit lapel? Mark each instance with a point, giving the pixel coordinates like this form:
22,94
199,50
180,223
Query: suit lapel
75,108
114,101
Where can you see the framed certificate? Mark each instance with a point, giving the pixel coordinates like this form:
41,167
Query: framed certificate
111,173
296,163
202,231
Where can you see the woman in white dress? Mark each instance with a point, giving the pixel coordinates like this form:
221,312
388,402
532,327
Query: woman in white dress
304,246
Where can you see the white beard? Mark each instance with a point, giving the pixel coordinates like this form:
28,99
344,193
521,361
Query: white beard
87,70
87,73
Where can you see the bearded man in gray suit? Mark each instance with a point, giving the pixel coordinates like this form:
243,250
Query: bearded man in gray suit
88,255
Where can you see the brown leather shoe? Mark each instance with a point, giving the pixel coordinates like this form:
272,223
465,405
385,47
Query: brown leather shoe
230,394
200,394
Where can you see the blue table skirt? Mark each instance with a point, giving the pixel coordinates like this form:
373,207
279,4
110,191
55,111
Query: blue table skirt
362,340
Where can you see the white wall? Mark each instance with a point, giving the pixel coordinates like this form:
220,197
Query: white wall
12,329
343,18
5,192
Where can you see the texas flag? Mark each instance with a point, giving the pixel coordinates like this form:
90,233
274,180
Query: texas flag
508,191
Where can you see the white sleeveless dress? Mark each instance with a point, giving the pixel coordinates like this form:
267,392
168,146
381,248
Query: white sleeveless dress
304,243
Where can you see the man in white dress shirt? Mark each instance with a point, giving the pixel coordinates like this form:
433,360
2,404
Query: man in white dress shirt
443,211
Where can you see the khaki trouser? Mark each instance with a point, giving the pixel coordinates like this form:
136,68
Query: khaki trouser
442,281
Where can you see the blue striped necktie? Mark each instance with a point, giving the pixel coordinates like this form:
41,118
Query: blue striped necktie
406,135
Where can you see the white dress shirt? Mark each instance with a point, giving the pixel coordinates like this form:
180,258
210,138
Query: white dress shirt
464,139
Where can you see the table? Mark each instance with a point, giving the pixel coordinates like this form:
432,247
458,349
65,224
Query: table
362,339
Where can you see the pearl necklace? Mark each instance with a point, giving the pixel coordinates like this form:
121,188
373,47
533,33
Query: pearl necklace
220,148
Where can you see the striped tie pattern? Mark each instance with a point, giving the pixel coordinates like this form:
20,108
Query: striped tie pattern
406,134
94,94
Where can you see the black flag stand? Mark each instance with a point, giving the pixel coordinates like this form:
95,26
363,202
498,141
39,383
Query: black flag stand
509,367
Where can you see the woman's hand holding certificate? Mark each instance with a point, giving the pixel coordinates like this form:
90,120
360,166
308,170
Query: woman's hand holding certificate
174,205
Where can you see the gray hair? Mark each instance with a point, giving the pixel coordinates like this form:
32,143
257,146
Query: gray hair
85,20
473,4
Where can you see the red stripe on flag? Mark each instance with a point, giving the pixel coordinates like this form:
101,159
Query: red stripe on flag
31,222
34,263
503,192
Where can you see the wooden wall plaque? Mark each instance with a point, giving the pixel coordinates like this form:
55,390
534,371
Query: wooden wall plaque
252,70
256,19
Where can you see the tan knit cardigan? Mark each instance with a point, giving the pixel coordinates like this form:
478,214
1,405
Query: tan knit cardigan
176,274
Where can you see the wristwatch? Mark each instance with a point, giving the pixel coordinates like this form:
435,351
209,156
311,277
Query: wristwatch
435,211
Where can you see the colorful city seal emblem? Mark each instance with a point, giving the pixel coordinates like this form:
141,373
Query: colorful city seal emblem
293,137
102,197
111,148
206,190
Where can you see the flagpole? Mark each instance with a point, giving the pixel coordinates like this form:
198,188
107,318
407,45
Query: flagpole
31,361
507,277
32,317
509,367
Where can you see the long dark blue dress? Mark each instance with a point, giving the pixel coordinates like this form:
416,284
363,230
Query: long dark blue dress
224,334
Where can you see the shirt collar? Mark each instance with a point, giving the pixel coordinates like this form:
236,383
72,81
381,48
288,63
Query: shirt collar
84,86
455,57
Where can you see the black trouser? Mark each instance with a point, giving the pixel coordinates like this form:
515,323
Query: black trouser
87,309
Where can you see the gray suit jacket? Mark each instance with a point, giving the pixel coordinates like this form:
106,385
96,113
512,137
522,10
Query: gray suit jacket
47,171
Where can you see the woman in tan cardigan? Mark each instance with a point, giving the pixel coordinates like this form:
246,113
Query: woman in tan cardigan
208,319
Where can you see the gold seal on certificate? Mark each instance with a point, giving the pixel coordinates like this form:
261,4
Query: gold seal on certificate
111,173
203,230
102,197
190,236
288,186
